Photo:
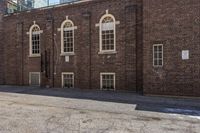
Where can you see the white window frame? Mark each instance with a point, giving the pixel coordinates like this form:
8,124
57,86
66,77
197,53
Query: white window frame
107,73
100,33
30,40
30,73
155,45
65,73
62,36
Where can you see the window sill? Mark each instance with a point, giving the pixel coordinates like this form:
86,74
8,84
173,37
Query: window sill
34,56
67,54
107,52
158,66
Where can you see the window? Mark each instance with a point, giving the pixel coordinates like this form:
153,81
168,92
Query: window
67,37
107,81
67,80
107,33
34,78
35,40
157,55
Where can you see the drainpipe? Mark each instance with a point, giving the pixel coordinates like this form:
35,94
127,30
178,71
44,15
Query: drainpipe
90,51
22,41
53,46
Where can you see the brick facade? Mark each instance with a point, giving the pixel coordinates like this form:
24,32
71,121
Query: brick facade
175,24
87,63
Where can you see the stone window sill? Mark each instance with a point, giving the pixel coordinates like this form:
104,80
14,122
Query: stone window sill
34,56
107,52
67,54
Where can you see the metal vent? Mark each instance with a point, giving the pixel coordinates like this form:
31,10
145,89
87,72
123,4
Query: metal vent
35,79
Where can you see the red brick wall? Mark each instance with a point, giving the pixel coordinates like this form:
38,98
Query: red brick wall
176,24
86,63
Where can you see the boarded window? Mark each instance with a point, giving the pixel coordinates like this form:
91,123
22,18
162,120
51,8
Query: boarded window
34,78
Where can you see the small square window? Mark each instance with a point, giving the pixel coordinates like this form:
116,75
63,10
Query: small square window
107,81
34,78
68,80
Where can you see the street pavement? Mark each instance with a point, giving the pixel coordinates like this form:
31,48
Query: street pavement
41,110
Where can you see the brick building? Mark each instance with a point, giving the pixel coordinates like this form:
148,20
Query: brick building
134,45
174,26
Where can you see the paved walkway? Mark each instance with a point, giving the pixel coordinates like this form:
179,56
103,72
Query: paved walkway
40,110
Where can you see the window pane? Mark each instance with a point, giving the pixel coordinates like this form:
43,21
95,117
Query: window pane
107,31
157,55
68,41
68,80
107,81
108,40
35,43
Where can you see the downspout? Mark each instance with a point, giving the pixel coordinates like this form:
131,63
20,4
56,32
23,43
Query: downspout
90,51
22,23
53,46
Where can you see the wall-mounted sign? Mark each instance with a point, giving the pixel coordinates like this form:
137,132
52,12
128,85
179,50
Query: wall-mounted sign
185,54
66,58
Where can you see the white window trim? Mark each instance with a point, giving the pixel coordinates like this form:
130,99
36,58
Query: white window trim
154,57
34,73
62,36
30,40
63,73
100,34
107,73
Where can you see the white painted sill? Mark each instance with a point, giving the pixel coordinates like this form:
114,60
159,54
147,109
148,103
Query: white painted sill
34,56
67,54
107,52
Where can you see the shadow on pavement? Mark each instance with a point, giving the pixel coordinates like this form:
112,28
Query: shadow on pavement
143,103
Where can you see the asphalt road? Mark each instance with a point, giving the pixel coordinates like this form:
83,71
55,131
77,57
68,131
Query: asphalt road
34,112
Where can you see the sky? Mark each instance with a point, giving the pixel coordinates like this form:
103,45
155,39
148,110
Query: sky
50,1
53,1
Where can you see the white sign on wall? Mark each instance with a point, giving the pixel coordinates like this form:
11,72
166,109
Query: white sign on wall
66,58
185,54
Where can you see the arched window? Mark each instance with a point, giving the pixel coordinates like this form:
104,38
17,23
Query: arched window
67,37
34,36
107,33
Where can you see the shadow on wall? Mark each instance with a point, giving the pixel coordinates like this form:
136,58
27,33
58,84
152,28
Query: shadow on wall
189,107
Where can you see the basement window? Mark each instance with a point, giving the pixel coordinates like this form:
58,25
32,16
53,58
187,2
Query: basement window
68,80
107,81
34,78
158,55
